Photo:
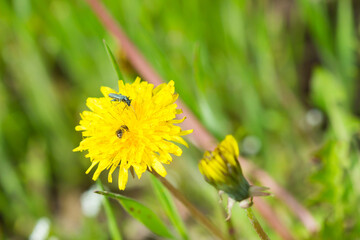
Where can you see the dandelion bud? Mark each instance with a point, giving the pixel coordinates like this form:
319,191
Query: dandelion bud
222,169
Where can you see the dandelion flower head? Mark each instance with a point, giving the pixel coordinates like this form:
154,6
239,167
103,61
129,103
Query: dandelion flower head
136,134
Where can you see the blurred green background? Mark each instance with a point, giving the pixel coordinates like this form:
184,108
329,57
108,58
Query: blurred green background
281,76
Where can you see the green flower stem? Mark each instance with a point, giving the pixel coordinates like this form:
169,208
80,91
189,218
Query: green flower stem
230,228
256,224
193,210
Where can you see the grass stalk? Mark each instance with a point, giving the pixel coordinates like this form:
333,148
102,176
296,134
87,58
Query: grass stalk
192,209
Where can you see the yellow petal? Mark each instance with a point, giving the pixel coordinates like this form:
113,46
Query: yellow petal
231,142
112,169
91,167
123,178
139,169
159,168
106,90
175,121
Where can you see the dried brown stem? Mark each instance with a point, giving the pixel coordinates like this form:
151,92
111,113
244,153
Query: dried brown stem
201,137
302,213
192,209
268,214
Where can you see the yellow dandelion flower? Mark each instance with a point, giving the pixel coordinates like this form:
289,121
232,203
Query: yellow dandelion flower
222,169
133,128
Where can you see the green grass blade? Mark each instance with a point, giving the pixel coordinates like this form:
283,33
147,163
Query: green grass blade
169,206
346,42
142,213
113,61
113,228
